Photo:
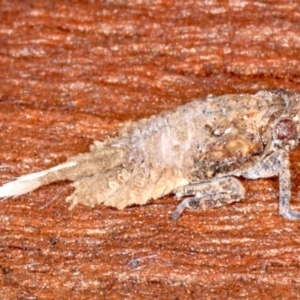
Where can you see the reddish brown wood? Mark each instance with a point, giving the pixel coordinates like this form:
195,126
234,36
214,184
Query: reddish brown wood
75,71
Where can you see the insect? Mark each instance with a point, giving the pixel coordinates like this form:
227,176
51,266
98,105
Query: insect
196,152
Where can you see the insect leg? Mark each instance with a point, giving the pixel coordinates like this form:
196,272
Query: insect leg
277,164
285,190
209,194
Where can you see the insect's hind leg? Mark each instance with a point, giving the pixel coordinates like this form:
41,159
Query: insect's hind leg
209,194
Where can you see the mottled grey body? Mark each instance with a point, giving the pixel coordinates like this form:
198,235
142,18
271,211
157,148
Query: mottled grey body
194,150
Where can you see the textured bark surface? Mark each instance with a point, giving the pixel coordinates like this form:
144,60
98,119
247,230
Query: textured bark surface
75,71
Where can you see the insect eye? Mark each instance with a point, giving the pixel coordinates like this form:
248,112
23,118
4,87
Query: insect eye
285,129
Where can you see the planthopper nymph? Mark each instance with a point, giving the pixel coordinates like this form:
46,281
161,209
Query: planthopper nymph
197,152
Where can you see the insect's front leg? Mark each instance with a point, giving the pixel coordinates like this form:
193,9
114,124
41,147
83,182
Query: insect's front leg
277,164
209,194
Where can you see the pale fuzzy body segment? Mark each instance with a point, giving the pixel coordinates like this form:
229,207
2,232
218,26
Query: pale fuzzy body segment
184,150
